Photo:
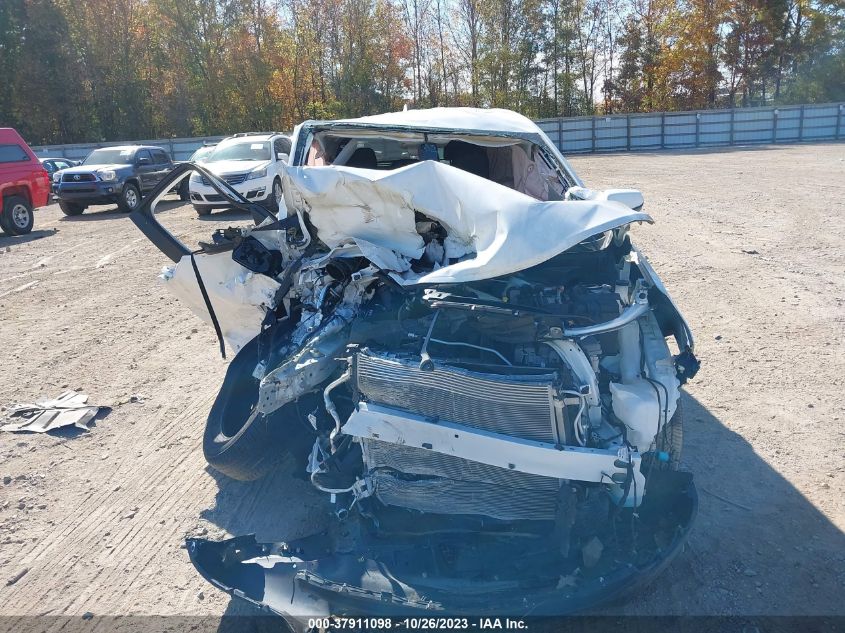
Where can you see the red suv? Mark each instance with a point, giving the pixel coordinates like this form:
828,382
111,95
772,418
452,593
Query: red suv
24,183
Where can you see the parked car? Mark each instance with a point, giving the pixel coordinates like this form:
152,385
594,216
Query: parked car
24,184
252,163
52,165
121,175
459,344
202,153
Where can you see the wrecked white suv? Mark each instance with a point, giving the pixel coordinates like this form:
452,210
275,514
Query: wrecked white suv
460,346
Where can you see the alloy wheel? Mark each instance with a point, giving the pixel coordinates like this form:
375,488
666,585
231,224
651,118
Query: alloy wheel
20,216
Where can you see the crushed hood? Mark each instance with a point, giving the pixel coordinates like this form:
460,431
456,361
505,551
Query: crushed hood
491,228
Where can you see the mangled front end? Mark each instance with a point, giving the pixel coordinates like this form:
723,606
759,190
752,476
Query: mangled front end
480,383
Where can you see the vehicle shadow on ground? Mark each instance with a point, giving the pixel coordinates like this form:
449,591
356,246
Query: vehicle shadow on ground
242,617
277,507
758,547
12,240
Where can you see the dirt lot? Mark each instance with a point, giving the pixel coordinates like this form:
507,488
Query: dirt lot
749,242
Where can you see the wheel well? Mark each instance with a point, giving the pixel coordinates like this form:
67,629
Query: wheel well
16,190
133,181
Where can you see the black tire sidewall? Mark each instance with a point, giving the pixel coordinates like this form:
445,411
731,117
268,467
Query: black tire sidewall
9,225
121,202
243,445
273,193
202,211
71,208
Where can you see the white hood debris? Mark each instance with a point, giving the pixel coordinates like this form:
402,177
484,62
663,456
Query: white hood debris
491,228
239,296
69,409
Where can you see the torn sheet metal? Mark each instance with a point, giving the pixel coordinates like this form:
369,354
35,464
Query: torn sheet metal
487,126
491,228
487,120
69,409
238,296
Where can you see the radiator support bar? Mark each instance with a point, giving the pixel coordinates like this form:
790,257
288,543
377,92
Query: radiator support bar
387,424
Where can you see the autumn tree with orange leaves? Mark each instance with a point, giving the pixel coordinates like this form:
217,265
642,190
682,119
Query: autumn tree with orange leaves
97,70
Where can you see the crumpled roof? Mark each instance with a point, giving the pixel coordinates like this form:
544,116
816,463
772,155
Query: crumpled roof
491,120
496,230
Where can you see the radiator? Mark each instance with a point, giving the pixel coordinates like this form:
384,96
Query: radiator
521,406
449,496
427,481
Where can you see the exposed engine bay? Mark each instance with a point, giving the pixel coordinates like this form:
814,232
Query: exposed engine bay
478,382
489,384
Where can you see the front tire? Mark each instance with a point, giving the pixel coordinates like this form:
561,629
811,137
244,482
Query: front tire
71,208
243,444
276,196
202,211
130,198
17,217
184,191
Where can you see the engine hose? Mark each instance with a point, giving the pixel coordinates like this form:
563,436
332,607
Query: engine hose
330,408
334,491
478,347
580,432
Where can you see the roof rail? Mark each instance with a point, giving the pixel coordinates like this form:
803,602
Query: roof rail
239,134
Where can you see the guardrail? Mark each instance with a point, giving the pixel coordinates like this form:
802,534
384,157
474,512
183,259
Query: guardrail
701,128
615,132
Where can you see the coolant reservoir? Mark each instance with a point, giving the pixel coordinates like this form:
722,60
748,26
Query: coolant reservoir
637,406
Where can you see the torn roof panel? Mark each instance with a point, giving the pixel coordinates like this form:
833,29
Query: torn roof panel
452,119
446,122
506,230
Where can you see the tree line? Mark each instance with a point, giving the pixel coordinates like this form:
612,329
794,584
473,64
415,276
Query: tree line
99,70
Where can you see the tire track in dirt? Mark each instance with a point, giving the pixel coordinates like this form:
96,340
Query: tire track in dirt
752,266
107,507
142,536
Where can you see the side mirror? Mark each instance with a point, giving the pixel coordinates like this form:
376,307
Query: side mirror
282,156
143,160
629,197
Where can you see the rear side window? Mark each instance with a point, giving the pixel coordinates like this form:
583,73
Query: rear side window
13,154
160,157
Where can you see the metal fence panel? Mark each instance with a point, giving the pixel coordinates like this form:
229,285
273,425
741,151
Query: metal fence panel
703,128
178,148
618,132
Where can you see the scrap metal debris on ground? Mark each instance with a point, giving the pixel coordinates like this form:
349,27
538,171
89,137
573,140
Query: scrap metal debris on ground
69,409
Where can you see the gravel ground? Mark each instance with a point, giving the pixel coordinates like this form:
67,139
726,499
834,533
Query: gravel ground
749,241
